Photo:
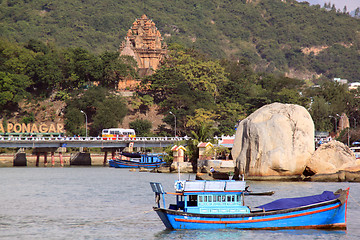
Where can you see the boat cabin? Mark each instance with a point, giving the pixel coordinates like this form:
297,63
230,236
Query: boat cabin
144,158
151,158
210,197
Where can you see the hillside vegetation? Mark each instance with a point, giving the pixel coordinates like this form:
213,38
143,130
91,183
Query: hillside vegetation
275,36
226,59
207,96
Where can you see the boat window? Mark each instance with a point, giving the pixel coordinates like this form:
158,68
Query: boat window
223,198
229,198
192,201
205,198
219,198
214,198
238,198
210,198
200,198
233,198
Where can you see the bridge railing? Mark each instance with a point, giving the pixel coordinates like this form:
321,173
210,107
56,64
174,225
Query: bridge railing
136,139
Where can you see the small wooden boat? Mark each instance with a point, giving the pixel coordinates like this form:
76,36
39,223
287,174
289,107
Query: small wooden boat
137,160
220,205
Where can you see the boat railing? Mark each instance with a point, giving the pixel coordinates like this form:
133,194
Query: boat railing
158,189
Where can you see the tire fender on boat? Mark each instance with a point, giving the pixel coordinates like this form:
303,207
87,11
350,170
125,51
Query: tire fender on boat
179,186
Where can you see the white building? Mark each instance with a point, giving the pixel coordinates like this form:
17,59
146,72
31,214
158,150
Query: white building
354,85
341,81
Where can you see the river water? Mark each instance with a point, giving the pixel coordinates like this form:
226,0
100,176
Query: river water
108,203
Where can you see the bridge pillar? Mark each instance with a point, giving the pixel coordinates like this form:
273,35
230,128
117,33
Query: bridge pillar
45,159
52,159
20,159
81,158
105,158
37,159
113,152
44,151
61,159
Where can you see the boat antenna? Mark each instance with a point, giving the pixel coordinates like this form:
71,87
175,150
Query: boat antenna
178,165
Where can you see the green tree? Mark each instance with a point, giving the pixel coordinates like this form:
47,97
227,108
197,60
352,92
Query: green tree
320,112
201,75
14,58
357,12
141,127
74,122
102,109
37,46
12,89
81,68
109,114
336,95
186,82
203,133
116,69
45,73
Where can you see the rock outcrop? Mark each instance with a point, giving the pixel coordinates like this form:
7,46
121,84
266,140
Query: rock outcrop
330,158
275,140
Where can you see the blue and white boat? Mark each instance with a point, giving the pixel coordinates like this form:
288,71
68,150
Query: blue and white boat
137,160
220,205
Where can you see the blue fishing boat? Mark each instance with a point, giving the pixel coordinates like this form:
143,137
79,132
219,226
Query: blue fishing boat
220,205
137,160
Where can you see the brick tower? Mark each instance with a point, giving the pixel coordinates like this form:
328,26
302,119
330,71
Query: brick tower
144,42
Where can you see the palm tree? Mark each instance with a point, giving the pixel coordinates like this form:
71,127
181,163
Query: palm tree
204,132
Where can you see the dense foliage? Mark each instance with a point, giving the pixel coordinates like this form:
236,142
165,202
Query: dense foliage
207,92
272,34
214,95
207,96
230,66
99,108
37,70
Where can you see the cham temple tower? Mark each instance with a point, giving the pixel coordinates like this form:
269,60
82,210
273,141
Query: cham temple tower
144,43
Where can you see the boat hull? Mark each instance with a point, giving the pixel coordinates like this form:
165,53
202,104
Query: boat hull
133,164
329,215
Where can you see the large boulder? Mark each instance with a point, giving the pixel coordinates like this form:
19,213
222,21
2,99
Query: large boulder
332,157
275,140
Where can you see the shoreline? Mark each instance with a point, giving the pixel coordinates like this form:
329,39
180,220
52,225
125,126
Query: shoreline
6,160
97,160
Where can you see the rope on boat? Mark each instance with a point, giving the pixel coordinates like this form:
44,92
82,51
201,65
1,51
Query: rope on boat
123,218
132,215
354,200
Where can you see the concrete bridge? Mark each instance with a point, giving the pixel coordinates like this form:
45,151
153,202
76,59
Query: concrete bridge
45,145
89,142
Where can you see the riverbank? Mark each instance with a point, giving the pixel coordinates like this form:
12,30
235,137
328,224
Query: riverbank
6,160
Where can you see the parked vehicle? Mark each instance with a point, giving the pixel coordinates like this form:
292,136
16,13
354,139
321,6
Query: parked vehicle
116,133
